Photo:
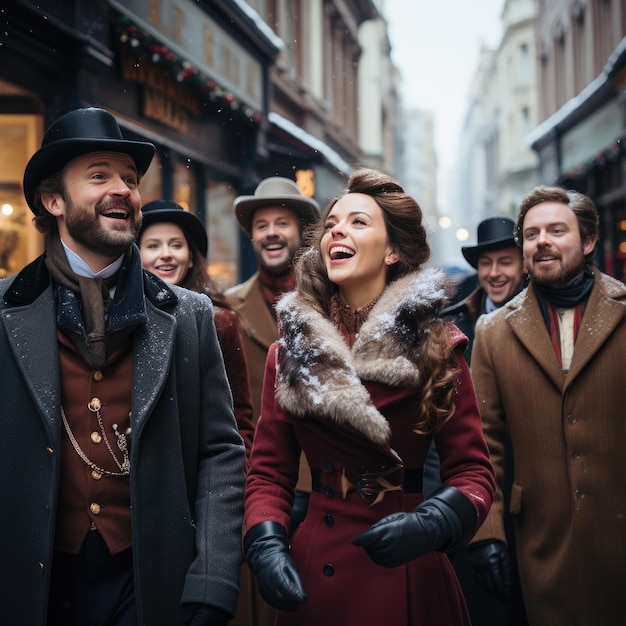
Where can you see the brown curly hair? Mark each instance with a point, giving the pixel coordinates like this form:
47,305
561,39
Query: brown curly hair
407,235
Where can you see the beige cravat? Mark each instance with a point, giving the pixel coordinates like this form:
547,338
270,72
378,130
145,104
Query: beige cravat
566,323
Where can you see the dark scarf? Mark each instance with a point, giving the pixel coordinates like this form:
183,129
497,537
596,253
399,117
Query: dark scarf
577,290
273,286
94,299
573,295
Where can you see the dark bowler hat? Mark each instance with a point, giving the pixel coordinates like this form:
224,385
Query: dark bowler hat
494,233
169,211
276,191
75,133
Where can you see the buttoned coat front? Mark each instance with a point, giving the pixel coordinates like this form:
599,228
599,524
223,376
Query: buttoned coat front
351,410
187,458
568,433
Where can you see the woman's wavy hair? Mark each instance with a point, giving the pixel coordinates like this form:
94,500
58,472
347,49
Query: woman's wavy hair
407,236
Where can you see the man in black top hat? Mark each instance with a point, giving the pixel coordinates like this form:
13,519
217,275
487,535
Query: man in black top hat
498,262
121,467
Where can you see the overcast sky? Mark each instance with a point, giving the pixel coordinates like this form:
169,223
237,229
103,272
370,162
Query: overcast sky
435,45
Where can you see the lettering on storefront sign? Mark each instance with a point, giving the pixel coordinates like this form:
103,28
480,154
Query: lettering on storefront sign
164,100
164,110
185,27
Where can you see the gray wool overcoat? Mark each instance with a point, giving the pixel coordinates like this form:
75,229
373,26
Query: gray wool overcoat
186,483
568,435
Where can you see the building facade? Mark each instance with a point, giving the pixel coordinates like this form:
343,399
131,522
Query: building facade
581,135
496,165
229,92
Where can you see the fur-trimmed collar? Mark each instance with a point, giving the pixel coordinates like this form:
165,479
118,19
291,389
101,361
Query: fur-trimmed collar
320,376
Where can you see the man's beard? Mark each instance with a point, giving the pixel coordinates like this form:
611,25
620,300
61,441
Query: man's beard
277,267
87,230
560,275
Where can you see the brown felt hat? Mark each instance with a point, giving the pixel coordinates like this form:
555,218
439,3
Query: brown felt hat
276,191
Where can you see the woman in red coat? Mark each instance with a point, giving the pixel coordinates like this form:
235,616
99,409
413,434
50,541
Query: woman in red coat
173,245
364,376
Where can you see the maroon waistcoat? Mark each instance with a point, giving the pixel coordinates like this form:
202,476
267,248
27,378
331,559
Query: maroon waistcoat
89,499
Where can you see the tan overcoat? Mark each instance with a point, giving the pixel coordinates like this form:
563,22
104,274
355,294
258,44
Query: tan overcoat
568,434
259,332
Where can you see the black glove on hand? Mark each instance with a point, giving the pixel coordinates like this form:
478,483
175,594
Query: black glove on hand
267,554
446,520
492,566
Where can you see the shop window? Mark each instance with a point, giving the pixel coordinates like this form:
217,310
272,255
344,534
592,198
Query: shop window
20,242
186,185
223,232
151,185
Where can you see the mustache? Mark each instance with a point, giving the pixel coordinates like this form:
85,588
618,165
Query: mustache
111,204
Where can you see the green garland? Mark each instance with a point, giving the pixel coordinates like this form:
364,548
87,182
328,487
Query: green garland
144,45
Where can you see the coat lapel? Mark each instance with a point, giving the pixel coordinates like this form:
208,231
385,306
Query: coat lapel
602,315
526,322
152,362
254,316
32,332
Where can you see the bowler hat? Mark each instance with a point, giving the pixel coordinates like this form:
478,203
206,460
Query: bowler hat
276,191
494,233
169,211
75,133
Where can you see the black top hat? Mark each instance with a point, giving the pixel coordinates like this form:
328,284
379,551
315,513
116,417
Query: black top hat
276,191
75,133
168,211
494,233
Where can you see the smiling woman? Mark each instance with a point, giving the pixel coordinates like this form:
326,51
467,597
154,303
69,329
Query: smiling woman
173,244
366,374
356,249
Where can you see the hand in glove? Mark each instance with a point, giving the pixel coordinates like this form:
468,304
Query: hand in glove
267,554
444,521
492,566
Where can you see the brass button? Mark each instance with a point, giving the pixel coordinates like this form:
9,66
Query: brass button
94,507
96,475
94,404
96,437
97,375
49,450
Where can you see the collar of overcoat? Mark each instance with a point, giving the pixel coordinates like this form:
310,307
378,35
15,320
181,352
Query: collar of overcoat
319,376
29,317
605,309
255,317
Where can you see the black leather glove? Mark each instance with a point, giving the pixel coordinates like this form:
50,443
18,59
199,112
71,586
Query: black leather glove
205,615
267,554
492,566
444,521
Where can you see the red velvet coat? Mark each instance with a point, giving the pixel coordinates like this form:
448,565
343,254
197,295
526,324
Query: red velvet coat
350,408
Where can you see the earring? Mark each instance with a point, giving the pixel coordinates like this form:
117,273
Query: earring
387,261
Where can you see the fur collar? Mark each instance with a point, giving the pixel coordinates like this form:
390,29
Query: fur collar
320,376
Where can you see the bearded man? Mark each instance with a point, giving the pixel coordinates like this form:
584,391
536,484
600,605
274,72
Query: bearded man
121,467
549,366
